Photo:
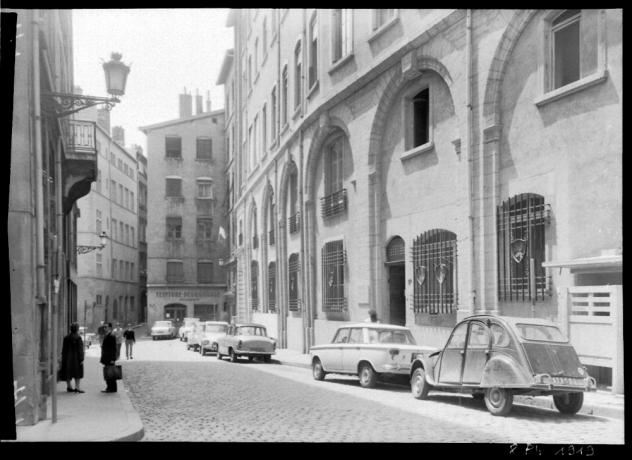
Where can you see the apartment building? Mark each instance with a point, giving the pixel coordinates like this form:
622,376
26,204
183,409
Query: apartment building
431,165
186,186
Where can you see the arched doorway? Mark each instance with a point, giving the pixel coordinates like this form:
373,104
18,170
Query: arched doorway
176,313
395,263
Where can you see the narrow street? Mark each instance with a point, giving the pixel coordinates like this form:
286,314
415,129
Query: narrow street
182,396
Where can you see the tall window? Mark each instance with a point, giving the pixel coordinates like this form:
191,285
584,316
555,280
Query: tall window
333,165
298,74
293,220
113,191
204,228
99,181
434,265
421,117
122,232
264,37
114,269
173,146
521,222
114,230
293,270
131,271
342,34
132,202
99,222
254,282
566,48
175,272
264,129
381,16
272,286
204,188
273,114
174,227
205,272
333,280
127,239
133,237
173,187
120,194
250,71
313,50
284,96
204,148
99,264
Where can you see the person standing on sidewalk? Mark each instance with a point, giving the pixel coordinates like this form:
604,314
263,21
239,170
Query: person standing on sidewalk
108,356
72,359
118,333
130,340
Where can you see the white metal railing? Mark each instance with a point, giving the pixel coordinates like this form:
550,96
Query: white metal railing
592,304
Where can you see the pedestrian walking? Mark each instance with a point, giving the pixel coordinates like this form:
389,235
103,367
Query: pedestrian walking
130,340
118,333
72,359
372,317
108,357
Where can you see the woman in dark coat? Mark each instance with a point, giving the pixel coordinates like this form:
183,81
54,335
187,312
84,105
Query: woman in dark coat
72,359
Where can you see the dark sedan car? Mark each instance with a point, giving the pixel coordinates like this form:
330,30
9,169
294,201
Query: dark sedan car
494,358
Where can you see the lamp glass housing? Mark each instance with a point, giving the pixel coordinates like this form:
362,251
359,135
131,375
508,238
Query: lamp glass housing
115,75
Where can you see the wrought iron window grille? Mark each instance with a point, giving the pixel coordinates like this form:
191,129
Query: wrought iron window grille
334,204
334,259
294,222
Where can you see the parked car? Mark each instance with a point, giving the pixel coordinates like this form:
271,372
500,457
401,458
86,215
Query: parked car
495,358
186,327
209,335
163,329
194,336
247,339
372,351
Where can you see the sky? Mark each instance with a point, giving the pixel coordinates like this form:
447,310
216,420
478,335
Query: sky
167,49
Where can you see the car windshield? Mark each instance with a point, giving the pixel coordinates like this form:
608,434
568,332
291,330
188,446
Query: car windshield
162,324
251,330
391,336
540,332
216,328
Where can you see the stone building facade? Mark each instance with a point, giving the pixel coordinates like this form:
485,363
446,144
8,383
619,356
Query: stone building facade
429,164
53,162
142,233
186,195
109,287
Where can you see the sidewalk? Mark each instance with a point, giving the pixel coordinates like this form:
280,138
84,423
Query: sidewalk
91,416
600,403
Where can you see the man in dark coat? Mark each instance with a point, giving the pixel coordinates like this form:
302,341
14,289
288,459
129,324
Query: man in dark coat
108,356
72,359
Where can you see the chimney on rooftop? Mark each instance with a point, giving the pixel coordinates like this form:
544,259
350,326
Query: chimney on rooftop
199,106
186,104
208,101
118,135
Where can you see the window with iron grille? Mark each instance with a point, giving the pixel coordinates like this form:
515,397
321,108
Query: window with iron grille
293,269
173,187
298,74
295,222
335,200
395,250
333,281
521,224
174,227
205,272
204,148
435,268
254,282
175,272
173,146
272,286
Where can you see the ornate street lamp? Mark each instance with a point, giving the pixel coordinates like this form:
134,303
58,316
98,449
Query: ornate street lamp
86,249
115,79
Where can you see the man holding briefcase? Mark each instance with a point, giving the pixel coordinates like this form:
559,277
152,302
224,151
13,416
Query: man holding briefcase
108,358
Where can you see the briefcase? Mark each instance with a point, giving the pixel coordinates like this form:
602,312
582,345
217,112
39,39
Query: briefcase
113,372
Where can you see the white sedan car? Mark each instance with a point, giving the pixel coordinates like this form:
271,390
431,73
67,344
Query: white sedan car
368,350
163,329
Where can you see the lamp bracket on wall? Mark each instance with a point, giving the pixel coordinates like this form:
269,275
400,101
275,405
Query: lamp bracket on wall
67,103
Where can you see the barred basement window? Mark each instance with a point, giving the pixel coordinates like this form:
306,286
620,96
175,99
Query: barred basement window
254,281
293,269
272,286
333,281
521,224
435,268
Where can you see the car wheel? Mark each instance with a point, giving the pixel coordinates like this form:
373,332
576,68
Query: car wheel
202,353
498,400
418,385
317,370
367,376
569,403
219,355
233,356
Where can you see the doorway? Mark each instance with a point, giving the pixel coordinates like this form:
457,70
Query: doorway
397,298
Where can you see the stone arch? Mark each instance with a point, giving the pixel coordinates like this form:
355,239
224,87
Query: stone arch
289,168
513,31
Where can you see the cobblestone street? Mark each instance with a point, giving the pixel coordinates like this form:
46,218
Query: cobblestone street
182,396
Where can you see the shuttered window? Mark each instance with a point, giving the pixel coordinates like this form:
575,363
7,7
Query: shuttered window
205,272
204,148
175,272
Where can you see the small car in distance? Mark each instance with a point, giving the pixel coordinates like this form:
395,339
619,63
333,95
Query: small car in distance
248,339
186,327
496,357
210,334
162,329
372,351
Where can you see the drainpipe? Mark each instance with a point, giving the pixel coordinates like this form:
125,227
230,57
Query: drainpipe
307,311
468,146
60,265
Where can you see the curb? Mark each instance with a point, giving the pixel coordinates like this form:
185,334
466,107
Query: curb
587,409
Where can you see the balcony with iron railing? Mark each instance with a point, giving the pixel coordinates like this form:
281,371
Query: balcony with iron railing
80,158
334,204
294,222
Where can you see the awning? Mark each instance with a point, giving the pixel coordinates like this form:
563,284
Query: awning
603,263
